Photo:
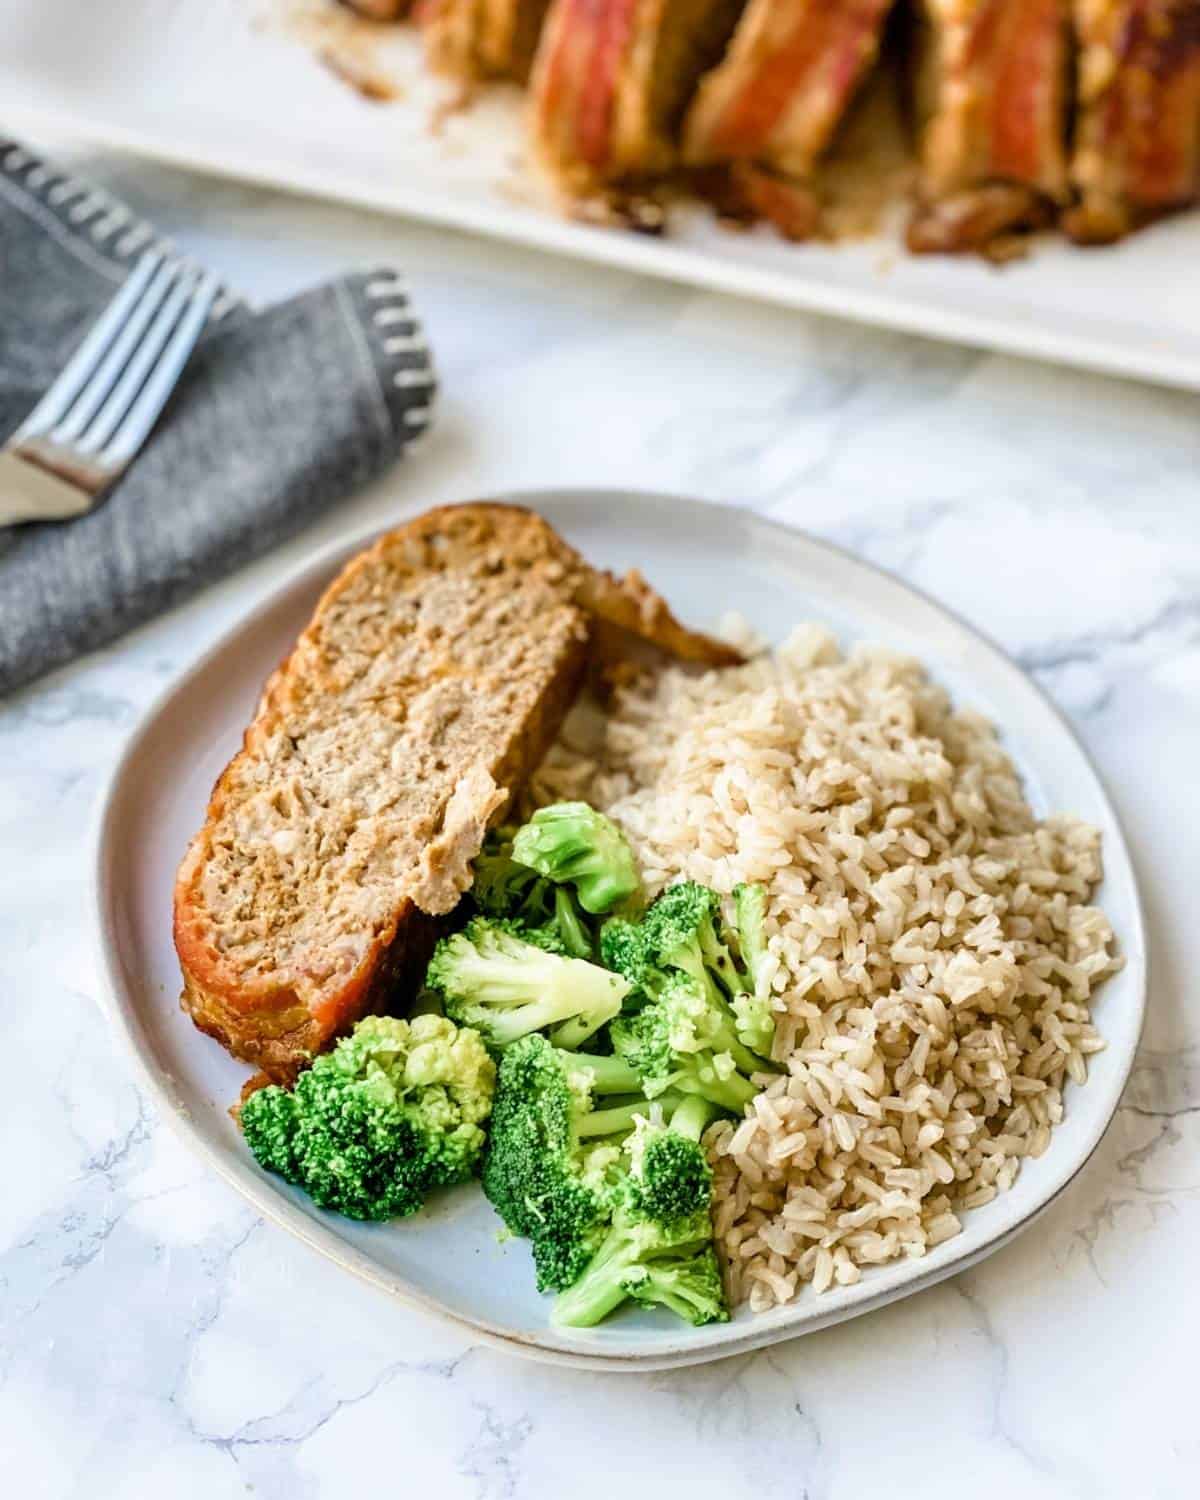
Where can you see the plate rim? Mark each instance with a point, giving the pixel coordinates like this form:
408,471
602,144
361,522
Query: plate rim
274,1206
662,261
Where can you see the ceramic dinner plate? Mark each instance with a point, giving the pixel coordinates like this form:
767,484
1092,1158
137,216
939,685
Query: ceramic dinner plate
447,1260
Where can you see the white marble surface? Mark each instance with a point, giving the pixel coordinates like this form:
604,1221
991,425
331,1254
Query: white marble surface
157,1339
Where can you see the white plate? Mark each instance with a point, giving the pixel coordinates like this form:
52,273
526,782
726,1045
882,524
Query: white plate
196,83
448,1259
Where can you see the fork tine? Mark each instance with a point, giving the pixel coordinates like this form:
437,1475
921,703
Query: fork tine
162,381
138,370
79,368
122,349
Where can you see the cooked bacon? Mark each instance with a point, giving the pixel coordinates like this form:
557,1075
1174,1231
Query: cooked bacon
475,39
1137,149
784,84
994,90
611,81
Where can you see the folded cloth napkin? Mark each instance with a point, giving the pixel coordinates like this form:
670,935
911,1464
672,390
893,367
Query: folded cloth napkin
279,414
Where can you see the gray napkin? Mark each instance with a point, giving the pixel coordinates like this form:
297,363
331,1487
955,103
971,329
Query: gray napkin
279,414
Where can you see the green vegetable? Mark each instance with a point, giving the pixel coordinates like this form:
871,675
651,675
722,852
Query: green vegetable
507,890
623,950
553,1163
507,983
682,931
396,1109
685,1040
752,1005
658,1248
503,888
571,843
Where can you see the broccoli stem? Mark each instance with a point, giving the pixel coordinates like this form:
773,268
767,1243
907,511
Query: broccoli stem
569,1035
571,929
692,1117
731,1094
623,1117
598,1291
610,1075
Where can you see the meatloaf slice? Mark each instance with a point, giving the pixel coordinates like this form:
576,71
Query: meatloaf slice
992,87
433,675
611,81
1137,144
470,40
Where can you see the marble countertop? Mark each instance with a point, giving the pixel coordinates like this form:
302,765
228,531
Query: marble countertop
156,1338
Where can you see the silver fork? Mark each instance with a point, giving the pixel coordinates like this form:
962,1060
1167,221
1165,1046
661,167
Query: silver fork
90,424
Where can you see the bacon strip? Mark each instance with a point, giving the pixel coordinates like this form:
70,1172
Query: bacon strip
784,84
610,81
1137,152
993,152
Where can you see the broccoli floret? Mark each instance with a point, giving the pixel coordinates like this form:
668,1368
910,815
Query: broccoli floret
680,932
658,1248
397,1108
752,1005
685,1040
549,1170
268,1120
571,843
690,1286
506,984
669,1174
503,889
622,948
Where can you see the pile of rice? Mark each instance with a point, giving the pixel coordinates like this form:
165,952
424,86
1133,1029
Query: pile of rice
933,950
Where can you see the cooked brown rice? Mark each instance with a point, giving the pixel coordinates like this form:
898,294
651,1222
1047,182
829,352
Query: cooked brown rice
933,952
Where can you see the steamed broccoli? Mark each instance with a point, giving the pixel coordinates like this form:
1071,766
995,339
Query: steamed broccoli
658,1248
571,843
685,1040
752,1005
622,948
507,890
553,1163
507,982
503,888
682,931
397,1108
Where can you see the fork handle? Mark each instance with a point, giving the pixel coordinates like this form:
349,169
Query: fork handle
31,493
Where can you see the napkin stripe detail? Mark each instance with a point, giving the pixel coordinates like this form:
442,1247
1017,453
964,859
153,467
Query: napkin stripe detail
399,347
82,209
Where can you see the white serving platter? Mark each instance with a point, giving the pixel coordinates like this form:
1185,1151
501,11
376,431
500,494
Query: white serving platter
234,87
447,1259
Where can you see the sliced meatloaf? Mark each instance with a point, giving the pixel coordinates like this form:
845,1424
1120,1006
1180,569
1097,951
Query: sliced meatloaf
612,79
992,90
1137,144
469,40
429,682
